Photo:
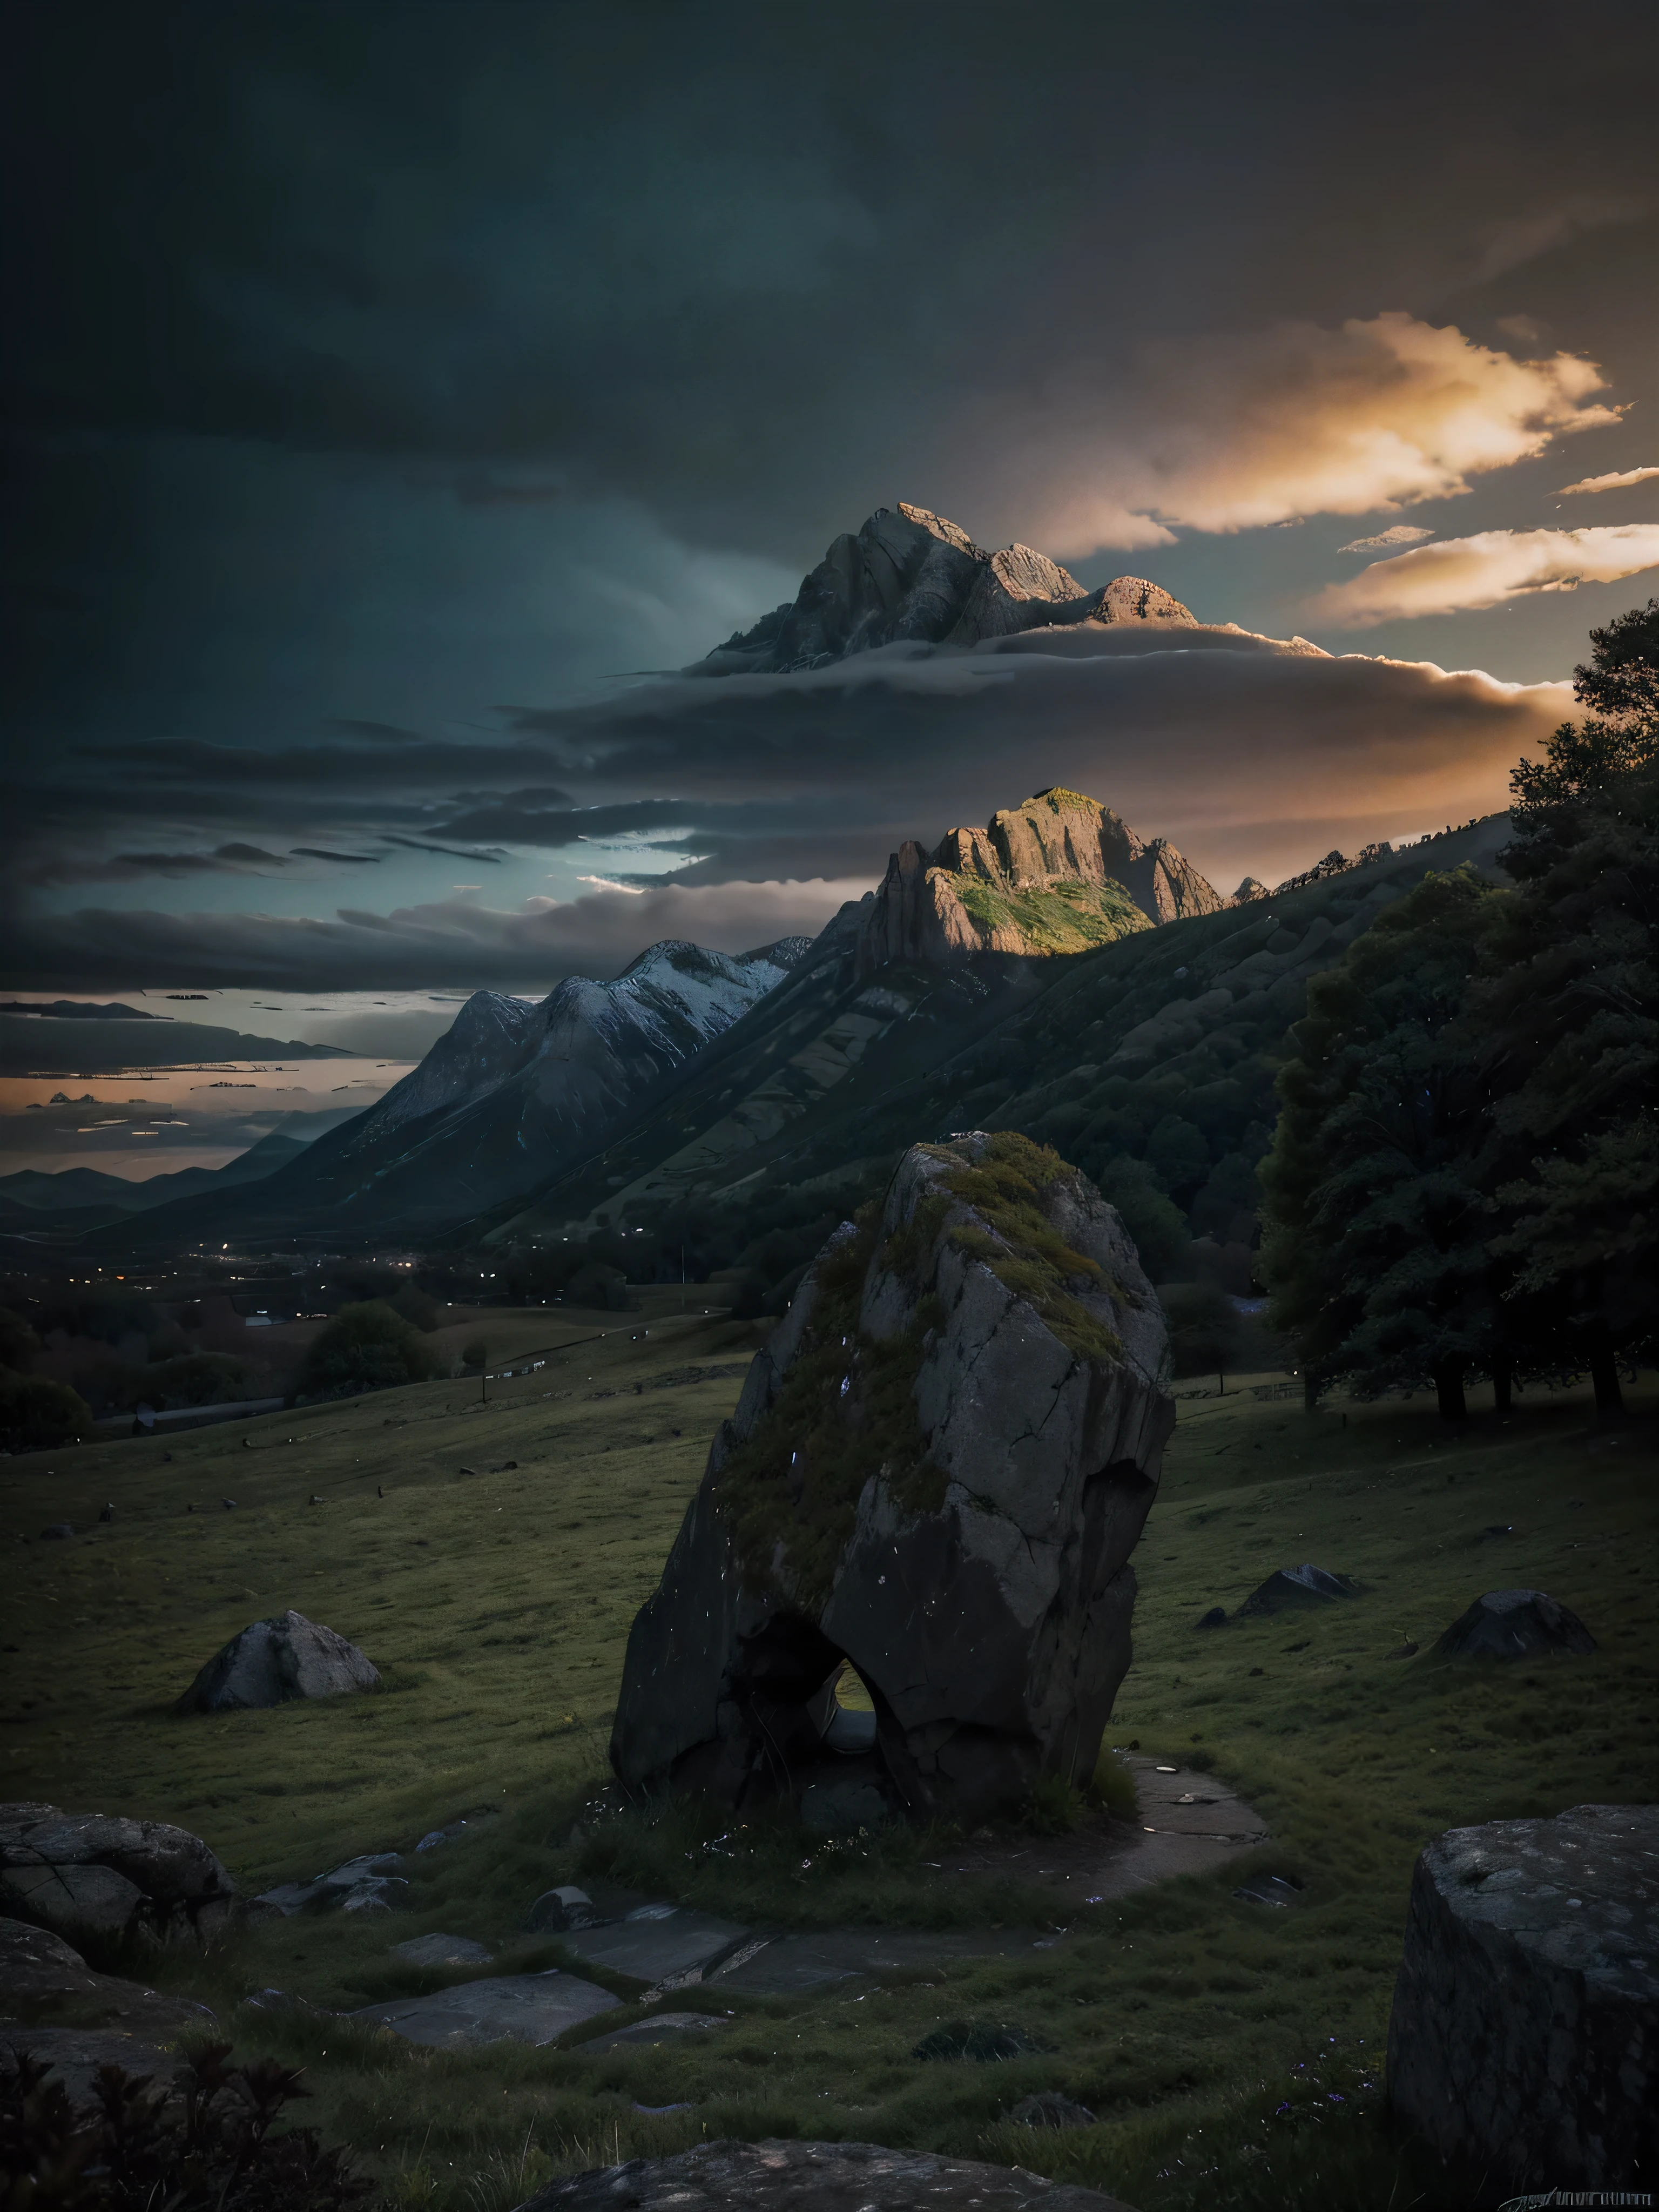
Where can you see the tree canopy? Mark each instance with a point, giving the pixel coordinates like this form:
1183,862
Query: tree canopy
366,1347
1464,1172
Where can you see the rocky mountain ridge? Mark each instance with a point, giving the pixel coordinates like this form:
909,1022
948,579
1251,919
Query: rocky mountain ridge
1058,873
909,575
512,1090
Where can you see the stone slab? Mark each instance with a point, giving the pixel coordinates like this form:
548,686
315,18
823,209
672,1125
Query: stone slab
795,1965
533,2008
661,2027
442,1951
813,2177
655,1942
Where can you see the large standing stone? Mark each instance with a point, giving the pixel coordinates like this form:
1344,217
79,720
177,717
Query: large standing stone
1515,1623
86,1872
1525,2032
938,1470
273,1661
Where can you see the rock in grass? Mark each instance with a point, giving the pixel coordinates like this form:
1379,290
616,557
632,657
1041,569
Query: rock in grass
938,1470
1293,1588
1525,2031
442,1951
813,2177
1048,2109
984,2042
1515,1623
88,1873
274,1661
556,1910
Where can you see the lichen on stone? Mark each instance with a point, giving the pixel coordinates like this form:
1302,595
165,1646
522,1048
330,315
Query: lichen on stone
846,1407
847,1410
1022,1248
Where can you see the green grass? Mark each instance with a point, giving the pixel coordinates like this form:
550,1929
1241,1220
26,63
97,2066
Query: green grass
1210,2036
1060,917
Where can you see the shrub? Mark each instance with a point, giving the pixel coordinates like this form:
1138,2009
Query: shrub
364,1348
18,1341
1206,1333
417,1307
36,1414
195,1379
133,2147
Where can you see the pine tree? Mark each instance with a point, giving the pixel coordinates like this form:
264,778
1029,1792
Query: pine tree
1378,1208
1568,1027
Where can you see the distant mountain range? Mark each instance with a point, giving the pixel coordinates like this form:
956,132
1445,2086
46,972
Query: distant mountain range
780,1078
51,1042
82,1197
510,1092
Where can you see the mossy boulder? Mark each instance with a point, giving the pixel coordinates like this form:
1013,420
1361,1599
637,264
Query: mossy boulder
937,1469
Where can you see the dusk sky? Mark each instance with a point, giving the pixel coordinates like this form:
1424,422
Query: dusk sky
395,392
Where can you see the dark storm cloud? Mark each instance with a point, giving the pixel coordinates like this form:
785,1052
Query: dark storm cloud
369,366
231,859
1247,758
717,261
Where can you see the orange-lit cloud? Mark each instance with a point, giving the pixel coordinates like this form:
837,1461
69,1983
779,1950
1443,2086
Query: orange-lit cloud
1484,570
1617,481
1236,432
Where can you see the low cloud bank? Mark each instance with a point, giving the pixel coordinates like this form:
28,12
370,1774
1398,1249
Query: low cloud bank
452,942
773,799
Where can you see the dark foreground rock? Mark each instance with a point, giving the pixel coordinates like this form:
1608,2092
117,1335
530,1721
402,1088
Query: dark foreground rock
55,2007
86,1872
274,1661
1515,1623
938,1470
1525,2031
812,2177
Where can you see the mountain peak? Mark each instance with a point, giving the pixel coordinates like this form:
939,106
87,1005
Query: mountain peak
911,575
1059,873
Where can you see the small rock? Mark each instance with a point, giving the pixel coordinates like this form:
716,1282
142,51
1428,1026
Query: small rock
841,1808
1407,1650
1515,1623
442,1951
56,1532
1270,1889
556,1910
661,2027
1048,2109
1294,1587
274,1661
1215,1617
229,1504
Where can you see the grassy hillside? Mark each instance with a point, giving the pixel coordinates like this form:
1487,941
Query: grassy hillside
1210,2035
